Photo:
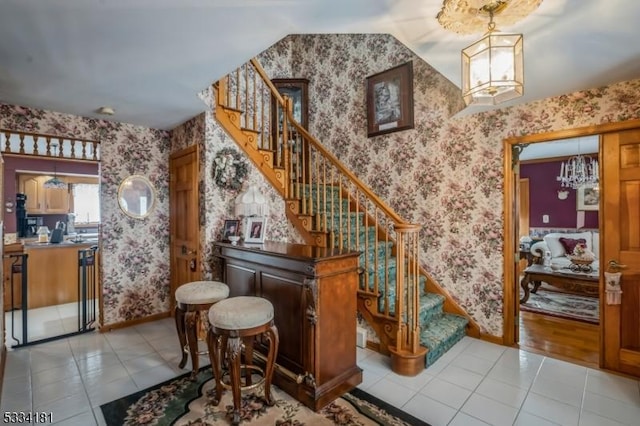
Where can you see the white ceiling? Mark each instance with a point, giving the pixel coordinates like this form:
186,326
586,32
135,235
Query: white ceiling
148,59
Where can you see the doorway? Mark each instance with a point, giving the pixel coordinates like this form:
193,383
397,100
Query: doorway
609,318
558,303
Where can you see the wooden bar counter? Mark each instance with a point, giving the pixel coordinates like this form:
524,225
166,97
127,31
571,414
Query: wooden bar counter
52,273
313,292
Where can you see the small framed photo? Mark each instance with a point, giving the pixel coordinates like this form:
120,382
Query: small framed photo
588,198
390,100
231,228
256,227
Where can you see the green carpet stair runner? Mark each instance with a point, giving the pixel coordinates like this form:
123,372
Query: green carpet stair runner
439,330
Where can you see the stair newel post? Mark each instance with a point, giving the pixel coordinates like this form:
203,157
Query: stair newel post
408,358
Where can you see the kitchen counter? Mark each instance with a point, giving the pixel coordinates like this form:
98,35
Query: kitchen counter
66,243
53,272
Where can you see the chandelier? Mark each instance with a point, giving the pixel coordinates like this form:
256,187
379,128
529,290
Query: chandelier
579,171
54,182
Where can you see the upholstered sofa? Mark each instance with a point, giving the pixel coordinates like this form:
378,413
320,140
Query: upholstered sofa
561,244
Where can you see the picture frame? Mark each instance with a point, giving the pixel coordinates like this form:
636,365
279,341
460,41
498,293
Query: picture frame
390,100
231,228
255,231
588,198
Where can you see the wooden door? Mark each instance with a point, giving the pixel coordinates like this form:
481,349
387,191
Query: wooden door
621,225
185,218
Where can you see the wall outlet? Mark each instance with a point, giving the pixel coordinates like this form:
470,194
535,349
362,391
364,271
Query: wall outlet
361,337
545,218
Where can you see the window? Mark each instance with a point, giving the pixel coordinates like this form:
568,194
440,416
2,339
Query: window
86,202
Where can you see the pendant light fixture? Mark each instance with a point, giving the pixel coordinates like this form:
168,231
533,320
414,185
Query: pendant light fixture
493,67
579,171
54,182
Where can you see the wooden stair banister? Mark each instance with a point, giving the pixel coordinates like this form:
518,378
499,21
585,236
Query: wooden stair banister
330,206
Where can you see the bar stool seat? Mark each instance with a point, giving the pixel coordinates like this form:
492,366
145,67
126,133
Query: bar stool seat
192,299
232,322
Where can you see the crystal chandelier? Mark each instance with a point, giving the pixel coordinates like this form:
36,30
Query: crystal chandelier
493,67
579,171
54,182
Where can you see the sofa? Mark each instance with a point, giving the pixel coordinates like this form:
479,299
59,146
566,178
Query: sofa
561,244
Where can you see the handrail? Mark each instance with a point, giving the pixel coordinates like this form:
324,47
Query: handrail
361,185
31,144
329,205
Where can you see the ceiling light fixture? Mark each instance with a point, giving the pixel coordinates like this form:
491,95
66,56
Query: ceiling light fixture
579,171
106,110
493,67
54,182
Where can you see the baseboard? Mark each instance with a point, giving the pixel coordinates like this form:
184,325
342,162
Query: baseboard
137,321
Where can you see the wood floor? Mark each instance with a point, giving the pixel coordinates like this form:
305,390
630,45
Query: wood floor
572,341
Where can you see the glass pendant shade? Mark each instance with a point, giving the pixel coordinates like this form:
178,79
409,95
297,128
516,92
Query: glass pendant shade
54,183
493,69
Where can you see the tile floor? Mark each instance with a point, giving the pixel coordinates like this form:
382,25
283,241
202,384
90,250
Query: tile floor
475,383
50,321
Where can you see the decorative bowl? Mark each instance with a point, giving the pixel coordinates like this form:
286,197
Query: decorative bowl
234,239
555,266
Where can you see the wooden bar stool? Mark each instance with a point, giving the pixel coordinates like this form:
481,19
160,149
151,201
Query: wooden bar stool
232,322
192,299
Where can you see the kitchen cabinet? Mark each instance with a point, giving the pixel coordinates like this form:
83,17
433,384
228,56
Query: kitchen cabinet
41,200
313,292
12,266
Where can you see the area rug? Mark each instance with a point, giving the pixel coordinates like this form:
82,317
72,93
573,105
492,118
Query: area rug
563,305
183,402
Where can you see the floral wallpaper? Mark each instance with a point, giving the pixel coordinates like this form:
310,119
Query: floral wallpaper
445,174
218,204
134,252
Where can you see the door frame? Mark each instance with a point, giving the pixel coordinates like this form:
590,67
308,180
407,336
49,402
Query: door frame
510,244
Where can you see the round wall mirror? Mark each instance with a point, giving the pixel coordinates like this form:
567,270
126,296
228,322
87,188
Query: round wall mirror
136,196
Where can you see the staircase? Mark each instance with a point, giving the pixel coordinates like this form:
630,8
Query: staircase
331,207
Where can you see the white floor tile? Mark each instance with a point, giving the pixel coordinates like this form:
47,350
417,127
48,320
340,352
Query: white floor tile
462,419
489,410
528,419
473,363
558,390
415,382
475,383
550,409
428,410
461,377
510,395
592,419
391,392
452,395
612,408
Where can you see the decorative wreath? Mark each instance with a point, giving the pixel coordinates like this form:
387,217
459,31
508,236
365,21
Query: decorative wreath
229,169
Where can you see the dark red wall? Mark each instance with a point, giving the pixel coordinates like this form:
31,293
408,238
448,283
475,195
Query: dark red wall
543,198
44,166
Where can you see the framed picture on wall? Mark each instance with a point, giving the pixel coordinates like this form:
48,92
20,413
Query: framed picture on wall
588,198
390,100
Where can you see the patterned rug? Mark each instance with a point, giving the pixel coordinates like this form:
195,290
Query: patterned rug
182,402
563,305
